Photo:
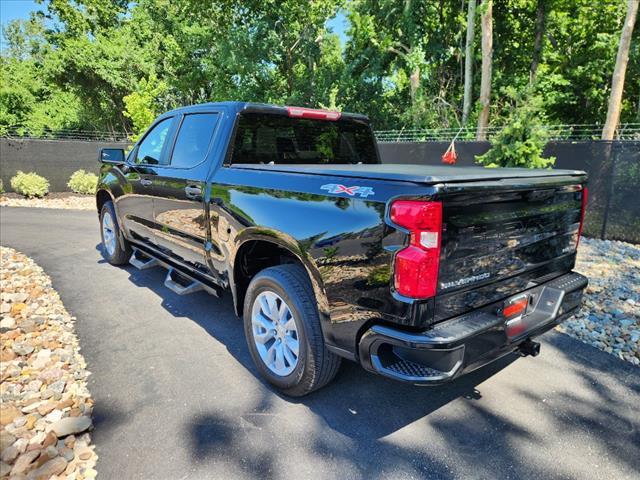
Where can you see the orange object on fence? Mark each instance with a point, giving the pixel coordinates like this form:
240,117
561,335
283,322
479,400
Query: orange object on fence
450,155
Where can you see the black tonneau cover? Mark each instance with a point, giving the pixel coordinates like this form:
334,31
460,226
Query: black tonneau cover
430,174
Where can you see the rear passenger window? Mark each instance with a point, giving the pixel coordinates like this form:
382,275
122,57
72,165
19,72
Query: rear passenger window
193,139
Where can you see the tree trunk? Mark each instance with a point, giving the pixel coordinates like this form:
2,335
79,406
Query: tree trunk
414,85
468,61
541,19
617,82
485,82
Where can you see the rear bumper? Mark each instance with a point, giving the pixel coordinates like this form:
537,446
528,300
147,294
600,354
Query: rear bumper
462,344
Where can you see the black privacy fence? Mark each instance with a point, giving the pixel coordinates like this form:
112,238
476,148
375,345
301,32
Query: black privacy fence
613,209
614,170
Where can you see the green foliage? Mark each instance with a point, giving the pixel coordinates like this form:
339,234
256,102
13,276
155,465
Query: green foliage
1,186
330,252
379,276
27,99
142,106
111,65
30,184
522,139
83,182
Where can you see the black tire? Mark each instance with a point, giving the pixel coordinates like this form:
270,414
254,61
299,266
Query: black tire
122,251
316,366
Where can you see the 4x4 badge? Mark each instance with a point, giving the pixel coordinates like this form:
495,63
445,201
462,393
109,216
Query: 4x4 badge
364,192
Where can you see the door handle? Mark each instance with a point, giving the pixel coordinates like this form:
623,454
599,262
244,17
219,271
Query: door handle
145,182
193,191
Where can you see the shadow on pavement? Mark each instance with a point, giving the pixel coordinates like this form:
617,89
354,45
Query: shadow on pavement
360,419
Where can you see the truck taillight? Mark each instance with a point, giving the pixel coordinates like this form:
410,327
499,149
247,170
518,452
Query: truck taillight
416,266
582,212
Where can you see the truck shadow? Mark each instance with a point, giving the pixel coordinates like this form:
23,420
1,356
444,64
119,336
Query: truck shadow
366,426
345,404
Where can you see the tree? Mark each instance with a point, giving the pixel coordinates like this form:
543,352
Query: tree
468,60
617,82
406,64
144,104
485,80
29,101
541,18
522,139
402,62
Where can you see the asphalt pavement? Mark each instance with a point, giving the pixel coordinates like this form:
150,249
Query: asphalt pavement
177,396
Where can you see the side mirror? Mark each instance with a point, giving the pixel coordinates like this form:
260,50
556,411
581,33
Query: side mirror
113,156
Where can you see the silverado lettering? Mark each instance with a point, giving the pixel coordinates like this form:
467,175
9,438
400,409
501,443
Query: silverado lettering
464,281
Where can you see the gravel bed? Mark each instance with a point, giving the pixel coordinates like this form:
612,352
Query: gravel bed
65,200
610,317
46,407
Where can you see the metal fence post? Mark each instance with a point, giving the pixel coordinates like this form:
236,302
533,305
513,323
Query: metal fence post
612,175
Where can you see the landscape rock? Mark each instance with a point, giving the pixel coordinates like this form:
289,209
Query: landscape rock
24,461
9,454
5,468
49,469
66,201
43,378
7,322
70,425
8,413
610,318
6,439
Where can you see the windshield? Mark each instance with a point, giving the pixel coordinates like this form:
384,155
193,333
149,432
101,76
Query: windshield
267,138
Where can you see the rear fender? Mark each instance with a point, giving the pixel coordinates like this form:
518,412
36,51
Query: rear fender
295,248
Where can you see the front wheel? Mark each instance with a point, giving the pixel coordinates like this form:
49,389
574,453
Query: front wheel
114,247
282,327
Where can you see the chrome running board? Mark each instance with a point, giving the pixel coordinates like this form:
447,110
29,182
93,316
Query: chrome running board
181,284
178,280
142,261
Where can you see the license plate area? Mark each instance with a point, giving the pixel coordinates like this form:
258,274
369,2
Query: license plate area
541,309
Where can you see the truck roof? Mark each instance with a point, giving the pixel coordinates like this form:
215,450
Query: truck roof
236,107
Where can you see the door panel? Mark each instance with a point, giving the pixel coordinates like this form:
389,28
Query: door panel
179,215
135,207
178,189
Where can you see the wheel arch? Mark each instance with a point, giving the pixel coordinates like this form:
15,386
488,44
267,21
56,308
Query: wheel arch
102,196
257,252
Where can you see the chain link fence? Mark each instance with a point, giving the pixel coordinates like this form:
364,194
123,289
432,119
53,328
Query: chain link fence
64,134
613,210
626,131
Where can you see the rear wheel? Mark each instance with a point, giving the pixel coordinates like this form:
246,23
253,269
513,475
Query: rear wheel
114,247
282,327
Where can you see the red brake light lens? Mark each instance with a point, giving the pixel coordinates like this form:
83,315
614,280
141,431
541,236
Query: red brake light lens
516,308
416,266
300,112
585,192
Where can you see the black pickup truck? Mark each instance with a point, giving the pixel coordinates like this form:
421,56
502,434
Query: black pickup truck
419,273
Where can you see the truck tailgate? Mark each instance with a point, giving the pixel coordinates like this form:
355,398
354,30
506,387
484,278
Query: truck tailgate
496,243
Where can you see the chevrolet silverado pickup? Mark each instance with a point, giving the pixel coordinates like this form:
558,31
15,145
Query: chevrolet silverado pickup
419,273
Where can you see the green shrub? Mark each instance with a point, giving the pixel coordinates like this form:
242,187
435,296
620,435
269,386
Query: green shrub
30,184
379,276
1,186
521,141
83,182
